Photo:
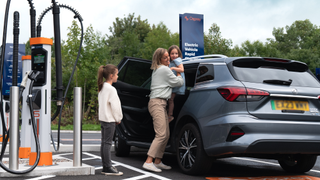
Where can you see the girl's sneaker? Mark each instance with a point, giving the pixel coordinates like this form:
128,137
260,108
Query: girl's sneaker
111,171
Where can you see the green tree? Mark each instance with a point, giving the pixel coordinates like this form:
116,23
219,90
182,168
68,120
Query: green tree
214,43
94,55
300,35
126,37
300,41
258,48
28,48
159,36
70,50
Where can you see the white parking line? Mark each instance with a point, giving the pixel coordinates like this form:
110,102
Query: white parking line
253,160
138,177
55,142
86,159
265,162
144,175
42,177
65,154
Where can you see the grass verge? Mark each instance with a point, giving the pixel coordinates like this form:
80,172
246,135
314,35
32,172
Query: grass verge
85,127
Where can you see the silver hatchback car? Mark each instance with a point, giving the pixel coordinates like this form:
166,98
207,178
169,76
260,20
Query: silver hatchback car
233,106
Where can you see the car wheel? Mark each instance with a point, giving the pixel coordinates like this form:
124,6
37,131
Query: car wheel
120,146
298,164
192,158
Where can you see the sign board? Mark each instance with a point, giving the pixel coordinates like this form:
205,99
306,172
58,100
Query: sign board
7,67
191,35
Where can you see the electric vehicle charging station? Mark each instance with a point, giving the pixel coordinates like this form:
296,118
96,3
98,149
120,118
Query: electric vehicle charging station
41,95
38,101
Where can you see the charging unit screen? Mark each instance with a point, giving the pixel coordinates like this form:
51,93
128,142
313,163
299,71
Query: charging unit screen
39,63
39,59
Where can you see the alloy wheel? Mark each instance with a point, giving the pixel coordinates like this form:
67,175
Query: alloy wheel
187,149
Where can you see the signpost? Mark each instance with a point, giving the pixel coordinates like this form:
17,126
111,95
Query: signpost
7,80
191,35
7,70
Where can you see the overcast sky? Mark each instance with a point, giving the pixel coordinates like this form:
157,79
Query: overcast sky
239,20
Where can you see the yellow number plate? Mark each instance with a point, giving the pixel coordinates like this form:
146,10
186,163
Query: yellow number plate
290,105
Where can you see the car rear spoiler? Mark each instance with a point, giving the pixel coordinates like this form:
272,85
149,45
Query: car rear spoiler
204,56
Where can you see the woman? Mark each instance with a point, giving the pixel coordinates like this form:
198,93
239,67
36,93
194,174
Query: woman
162,82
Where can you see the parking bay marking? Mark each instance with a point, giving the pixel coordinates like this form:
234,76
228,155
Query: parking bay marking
293,177
42,177
144,175
275,164
297,177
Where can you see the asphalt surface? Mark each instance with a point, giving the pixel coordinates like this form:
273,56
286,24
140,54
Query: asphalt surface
222,169
242,168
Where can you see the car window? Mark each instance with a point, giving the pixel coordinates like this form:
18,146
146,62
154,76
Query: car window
258,75
204,73
136,73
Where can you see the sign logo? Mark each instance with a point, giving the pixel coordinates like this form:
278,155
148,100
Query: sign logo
192,18
36,114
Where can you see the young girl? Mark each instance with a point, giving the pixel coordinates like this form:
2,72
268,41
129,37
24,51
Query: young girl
110,114
176,66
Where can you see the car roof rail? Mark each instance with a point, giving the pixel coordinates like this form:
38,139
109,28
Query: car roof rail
205,56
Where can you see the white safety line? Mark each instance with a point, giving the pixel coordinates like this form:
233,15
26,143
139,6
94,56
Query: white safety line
55,142
42,177
316,171
145,173
86,159
138,177
92,155
65,154
253,160
265,162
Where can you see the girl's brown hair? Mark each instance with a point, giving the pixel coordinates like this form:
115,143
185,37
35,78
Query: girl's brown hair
177,48
104,72
156,59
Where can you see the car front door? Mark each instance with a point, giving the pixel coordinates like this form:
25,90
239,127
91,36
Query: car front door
133,88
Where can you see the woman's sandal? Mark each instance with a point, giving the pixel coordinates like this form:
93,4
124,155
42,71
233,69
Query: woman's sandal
170,118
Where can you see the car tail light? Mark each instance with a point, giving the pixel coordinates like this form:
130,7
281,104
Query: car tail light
241,94
234,134
232,93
